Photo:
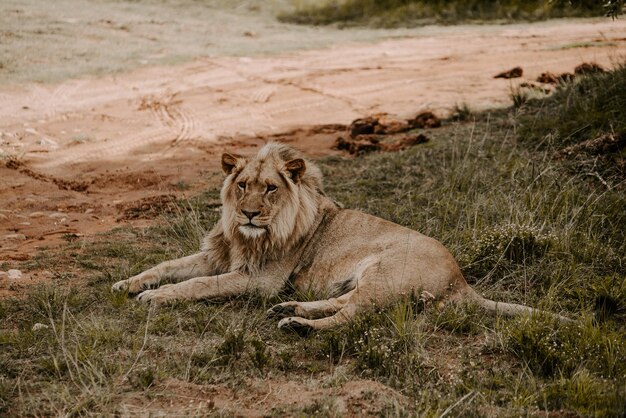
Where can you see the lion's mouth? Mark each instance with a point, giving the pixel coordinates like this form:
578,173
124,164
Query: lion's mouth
251,230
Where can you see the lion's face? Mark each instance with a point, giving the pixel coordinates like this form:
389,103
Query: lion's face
261,197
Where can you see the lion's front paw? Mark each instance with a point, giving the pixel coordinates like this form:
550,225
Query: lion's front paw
129,285
281,310
121,286
136,283
163,294
295,324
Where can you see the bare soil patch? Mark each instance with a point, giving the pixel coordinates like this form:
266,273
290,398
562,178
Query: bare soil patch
359,398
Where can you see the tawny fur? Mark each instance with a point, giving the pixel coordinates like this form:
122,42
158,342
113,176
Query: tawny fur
278,227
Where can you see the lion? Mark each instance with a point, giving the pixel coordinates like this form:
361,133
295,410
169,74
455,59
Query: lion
279,228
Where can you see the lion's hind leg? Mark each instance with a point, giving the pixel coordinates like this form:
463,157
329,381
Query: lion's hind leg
341,310
303,325
309,310
369,290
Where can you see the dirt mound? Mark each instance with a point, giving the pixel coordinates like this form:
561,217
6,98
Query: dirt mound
365,126
548,78
385,133
589,68
425,120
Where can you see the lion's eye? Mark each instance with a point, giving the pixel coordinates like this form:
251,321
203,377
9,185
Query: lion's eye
271,187
242,185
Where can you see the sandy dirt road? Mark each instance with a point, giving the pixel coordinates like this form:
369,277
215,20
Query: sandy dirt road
78,153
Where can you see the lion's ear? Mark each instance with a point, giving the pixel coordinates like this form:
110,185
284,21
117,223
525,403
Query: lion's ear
296,168
230,162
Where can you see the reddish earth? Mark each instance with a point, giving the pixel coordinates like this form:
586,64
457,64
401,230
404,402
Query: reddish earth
271,396
79,154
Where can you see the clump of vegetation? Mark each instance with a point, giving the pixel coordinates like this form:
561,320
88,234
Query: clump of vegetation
586,393
383,343
499,246
583,123
388,13
561,349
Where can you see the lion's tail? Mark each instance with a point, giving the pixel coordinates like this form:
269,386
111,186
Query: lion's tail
508,309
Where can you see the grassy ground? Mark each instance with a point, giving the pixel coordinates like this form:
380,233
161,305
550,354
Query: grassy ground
525,226
391,13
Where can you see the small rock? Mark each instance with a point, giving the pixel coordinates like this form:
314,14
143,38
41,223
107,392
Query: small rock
512,73
38,327
16,237
56,215
47,142
14,274
37,214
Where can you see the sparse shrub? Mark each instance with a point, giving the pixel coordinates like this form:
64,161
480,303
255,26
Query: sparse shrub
142,379
461,112
463,319
117,299
49,301
606,296
383,343
164,323
190,221
587,394
232,347
202,358
286,360
6,393
560,349
507,244
519,96
259,357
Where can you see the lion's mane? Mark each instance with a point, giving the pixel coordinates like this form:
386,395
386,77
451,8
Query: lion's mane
291,223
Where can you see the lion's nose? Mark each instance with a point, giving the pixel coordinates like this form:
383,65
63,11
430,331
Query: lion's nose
250,215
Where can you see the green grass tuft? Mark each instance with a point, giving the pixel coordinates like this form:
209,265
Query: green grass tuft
392,13
551,349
